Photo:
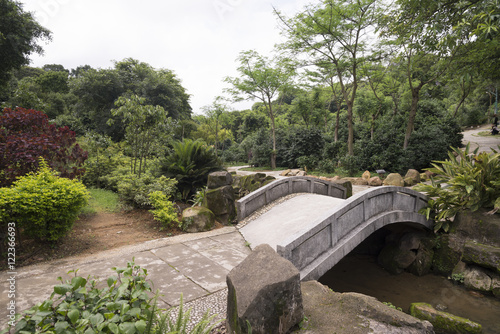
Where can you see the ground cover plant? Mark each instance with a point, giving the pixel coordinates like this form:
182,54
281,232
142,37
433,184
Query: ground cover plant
123,305
468,180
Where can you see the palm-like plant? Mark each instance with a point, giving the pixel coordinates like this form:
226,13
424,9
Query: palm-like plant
465,181
190,163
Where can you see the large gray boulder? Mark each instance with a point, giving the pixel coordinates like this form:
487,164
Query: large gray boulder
328,312
264,291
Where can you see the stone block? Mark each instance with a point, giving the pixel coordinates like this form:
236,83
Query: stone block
444,322
219,179
482,255
366,175
221,202
264,291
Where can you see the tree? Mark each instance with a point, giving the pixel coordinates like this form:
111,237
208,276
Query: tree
213,113
26,135
19,37
262,79
336,33
144,126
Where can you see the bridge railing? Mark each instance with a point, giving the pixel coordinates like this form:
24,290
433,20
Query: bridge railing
282,187
324,242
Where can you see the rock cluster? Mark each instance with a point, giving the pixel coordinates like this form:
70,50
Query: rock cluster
243,185
471,252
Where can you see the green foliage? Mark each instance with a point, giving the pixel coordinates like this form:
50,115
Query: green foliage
134,190
78,305
467,180
164,210
327,166
198,197
351,164
42,204
102,200
145,125
190,163
20,37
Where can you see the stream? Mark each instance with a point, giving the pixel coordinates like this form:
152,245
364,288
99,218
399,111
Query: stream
362,274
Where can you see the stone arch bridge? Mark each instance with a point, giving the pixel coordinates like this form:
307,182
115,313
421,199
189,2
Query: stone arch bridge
318,228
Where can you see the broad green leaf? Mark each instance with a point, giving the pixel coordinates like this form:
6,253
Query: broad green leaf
73,315
127,328
140,326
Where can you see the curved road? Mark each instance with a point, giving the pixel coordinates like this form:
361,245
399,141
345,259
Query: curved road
485,143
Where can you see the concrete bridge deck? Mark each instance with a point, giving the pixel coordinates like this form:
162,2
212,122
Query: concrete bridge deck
285,220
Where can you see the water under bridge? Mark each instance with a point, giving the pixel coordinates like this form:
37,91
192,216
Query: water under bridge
318,226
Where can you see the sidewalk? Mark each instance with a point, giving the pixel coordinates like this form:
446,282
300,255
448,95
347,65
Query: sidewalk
195,265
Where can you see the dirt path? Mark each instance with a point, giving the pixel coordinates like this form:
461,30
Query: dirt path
97,233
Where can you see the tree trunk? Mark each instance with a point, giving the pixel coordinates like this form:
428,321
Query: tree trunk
350,138
273,133
415,95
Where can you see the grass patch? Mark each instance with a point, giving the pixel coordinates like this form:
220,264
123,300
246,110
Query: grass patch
102,200
486,134
235,164
263,169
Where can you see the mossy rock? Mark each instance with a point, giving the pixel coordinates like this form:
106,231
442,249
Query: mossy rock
197,219
447,254
444,322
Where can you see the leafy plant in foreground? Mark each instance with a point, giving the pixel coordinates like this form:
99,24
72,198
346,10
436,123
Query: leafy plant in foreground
79,306
465,181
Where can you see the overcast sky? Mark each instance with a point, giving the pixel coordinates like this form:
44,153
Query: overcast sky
197,39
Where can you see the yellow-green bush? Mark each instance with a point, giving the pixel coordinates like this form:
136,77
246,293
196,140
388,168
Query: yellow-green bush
164,210
43,205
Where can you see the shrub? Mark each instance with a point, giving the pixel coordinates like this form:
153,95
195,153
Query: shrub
164,210
26,135
190,163
78,305
327,166
308,162
42,204
465,181
135,190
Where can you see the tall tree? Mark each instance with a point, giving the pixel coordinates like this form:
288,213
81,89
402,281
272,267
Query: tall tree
145,125
20,35
335,32
262,79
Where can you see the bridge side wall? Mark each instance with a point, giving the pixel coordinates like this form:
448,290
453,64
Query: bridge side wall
340,230
283,187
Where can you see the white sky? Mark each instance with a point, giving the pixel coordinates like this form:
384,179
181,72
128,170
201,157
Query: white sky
199,40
